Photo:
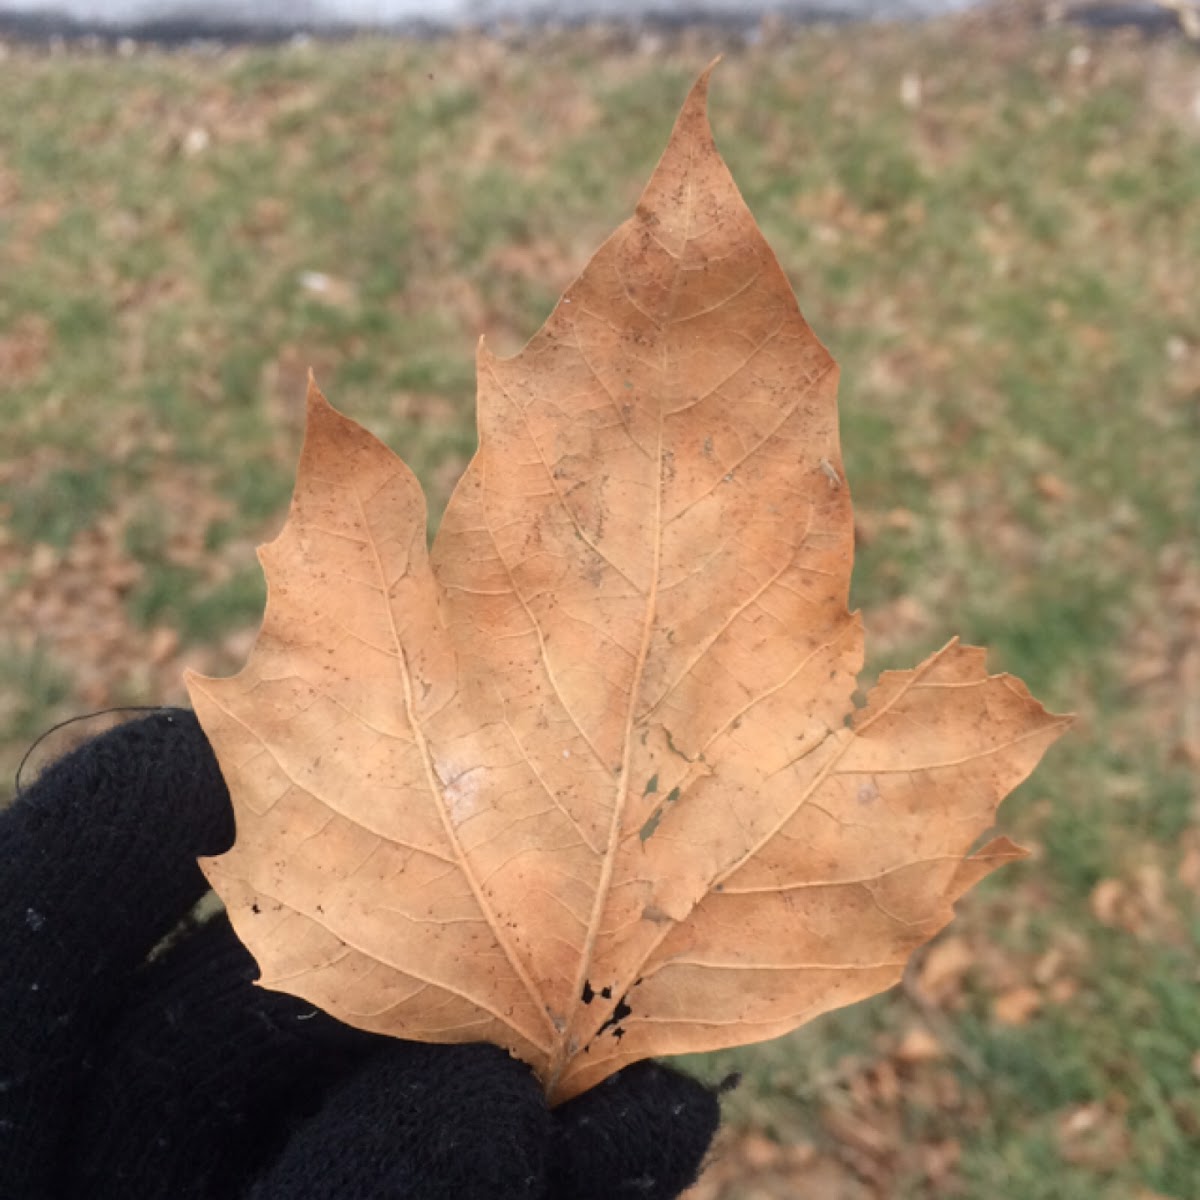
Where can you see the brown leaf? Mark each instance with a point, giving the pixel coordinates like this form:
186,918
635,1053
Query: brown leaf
1092,1135
943,967
588,780
939,1159
918,1045
856,1131
760,1152
1016,1006
1107,901
1051,487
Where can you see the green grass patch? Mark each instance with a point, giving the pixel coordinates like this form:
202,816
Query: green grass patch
57,506
32,685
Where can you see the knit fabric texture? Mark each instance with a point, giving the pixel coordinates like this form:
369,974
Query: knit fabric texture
136,1075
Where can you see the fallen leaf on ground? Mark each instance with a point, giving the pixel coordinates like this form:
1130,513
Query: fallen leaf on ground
588,780
944,967
1051,487
918,1045
1016,1006
760,1152
1092,1135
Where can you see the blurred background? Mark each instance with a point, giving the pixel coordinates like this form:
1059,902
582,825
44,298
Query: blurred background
991,217
183,18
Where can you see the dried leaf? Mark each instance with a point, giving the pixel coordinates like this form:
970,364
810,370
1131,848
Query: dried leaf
1095,1136
918,1046
943,968
1017,1005
587,780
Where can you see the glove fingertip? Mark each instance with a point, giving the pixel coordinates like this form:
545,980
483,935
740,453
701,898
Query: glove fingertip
437,1122
642,1133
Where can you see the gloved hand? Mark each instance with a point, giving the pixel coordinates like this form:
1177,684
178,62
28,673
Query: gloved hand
131,1074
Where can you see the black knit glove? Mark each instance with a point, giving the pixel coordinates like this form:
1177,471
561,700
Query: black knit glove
136,1075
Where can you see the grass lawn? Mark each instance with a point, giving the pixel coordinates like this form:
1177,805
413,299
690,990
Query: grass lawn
995,228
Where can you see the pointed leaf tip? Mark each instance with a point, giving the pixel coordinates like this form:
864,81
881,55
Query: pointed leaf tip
693,116
314,397
699,90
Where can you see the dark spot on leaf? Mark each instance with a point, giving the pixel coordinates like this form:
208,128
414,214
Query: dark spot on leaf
647,830
588,994
672,747
651,785
617,1015
254,908
619,1033
606,992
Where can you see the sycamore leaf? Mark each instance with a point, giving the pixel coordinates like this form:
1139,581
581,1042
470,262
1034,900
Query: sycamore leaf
587,780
